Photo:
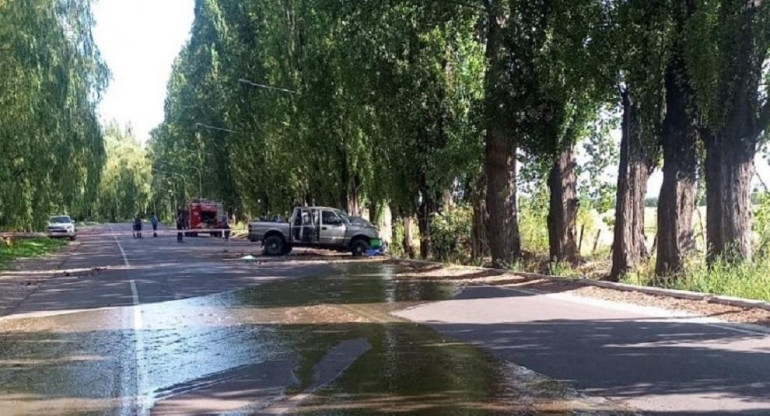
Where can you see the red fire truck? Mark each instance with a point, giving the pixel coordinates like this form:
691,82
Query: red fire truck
202,215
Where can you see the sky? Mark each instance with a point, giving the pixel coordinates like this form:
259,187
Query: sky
139,40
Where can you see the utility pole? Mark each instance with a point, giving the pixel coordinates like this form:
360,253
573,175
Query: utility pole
200,184
200,164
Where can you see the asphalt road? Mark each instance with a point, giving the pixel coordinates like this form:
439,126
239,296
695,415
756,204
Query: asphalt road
660,362
149,326
157,269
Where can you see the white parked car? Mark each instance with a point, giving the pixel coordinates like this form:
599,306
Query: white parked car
61,226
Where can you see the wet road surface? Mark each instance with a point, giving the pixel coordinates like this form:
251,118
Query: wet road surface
167,329
142,327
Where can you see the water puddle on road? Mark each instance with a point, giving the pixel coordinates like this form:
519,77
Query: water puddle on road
323,345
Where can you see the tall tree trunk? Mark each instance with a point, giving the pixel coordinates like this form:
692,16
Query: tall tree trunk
729,171
349,195
628,247
562,213
375,211
731,144
425,212
503,229
500,147
715,238
352,202
408,237
479,246
680,161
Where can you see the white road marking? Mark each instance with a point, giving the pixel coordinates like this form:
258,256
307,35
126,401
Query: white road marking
123,252
135,295
143,400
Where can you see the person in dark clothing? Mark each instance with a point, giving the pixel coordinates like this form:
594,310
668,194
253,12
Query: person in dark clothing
179,228
154,222
138,227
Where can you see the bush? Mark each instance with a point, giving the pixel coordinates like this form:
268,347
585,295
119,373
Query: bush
451,233
533,223
562,270
396,247
762,222
586,224
746,280
741,279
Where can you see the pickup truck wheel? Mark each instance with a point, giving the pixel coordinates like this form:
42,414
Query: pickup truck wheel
274,246
359,248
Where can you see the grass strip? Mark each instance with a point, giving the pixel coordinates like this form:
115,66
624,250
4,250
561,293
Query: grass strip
11,250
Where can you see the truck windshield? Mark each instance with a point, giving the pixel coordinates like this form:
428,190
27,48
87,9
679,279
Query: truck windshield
344,217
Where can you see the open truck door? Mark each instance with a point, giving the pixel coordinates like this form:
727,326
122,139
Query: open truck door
305,226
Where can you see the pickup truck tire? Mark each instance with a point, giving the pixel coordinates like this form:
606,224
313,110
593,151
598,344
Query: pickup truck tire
359,247
274,246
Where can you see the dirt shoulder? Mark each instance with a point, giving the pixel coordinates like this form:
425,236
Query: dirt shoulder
24,276
473,275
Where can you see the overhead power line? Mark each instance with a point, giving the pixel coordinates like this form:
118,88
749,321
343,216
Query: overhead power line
267,87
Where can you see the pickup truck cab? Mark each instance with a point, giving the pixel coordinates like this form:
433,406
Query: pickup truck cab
315,227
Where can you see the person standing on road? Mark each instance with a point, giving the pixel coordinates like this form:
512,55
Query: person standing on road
179,227
154,222
138,227
226,226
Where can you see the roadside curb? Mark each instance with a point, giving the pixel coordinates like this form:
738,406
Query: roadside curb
13,235
624,287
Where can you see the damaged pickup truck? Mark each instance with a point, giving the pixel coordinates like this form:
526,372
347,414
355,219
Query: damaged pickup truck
315,227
